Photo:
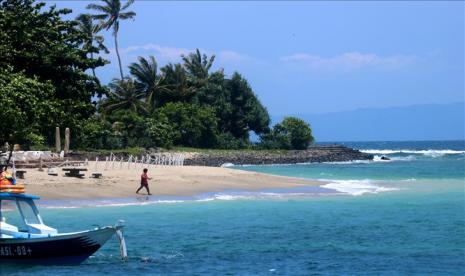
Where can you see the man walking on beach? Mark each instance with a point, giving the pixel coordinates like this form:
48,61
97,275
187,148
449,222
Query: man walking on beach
144,182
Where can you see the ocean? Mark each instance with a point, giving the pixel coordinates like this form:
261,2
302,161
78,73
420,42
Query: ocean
402,216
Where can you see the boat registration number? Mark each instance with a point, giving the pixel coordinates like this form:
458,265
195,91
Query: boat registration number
15,250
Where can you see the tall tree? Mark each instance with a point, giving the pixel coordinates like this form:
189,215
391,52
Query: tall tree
148,79
124,95
87,27
198,67
38,42
247,113
111,14
178,84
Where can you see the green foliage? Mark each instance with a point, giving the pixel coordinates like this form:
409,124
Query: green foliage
179,88
28,108
193,125
130,126
42,46
291,133
124,95
93,42
160,131
148,80
226,140
97,134
43,83
246,112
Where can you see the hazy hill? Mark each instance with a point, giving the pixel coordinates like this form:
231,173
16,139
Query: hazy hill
416,122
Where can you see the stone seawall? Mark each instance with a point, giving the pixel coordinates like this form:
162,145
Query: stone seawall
216,158
315,154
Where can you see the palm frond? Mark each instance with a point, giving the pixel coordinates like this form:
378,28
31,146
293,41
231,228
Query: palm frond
128,3
127,15
104,9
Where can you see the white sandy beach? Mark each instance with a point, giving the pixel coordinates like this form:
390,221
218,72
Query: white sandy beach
167,181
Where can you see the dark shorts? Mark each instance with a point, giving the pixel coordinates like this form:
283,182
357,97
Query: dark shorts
144,184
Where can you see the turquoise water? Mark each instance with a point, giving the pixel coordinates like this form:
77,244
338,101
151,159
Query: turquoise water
404,216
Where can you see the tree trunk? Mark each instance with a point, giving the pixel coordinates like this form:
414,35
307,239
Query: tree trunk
95,76
57,140
93,69
117,53
67,140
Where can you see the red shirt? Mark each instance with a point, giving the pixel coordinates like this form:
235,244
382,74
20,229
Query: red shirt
143,179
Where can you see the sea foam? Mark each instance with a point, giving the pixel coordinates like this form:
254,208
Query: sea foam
357,187
429,152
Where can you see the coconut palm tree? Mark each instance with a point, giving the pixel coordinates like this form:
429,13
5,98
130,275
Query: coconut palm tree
198,67
110,16
87,26
124,95
179,87
148,79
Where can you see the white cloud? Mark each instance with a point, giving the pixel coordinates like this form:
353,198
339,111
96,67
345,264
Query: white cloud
349,61
173,54
161,51
231,56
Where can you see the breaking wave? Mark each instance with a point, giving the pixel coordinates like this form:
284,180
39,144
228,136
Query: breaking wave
357,187
429,152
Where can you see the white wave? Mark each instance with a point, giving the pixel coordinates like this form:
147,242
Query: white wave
409,180
77,205
148,202
345,162
356,187
376,158
430,152
260,195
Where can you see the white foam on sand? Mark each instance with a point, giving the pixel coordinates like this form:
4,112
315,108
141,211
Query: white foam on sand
357,187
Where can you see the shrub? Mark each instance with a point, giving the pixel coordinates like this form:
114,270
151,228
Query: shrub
193,125
291,133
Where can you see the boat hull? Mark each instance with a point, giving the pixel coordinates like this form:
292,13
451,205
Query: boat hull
64,249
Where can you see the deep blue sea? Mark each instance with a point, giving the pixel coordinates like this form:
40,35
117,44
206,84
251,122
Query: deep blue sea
402,216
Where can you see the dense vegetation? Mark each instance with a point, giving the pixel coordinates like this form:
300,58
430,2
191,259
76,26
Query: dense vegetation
48,78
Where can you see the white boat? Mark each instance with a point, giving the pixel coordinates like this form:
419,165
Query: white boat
31,241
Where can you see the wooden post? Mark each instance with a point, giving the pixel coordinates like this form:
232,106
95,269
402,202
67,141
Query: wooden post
106,163
57,140
40,163
66,148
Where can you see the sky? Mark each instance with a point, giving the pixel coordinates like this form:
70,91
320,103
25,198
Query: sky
308,57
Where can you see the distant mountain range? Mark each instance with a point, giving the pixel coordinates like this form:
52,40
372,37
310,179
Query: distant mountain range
416,122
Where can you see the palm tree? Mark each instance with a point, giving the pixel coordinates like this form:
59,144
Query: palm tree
87,26
112,13
198,67
177,81
148,79
124,95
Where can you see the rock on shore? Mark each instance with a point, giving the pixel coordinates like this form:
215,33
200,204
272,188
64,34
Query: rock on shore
315,154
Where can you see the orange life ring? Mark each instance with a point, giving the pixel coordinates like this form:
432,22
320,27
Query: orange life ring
12,191
10,186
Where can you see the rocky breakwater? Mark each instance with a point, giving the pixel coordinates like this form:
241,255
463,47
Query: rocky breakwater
314,154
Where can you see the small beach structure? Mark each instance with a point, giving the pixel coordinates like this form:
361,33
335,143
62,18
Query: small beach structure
25,239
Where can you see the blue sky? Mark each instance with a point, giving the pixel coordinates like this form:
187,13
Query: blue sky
309,57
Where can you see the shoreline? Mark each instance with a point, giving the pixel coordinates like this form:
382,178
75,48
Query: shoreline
226,195
168,181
